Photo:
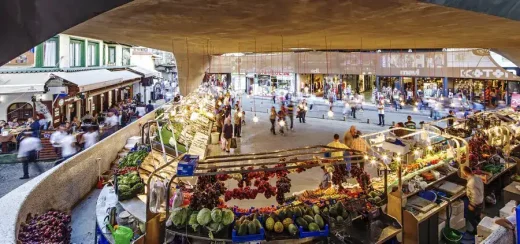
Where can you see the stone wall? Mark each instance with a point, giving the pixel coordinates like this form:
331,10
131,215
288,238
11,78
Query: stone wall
64,186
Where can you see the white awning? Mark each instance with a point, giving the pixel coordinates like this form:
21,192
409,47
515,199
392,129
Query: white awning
144,72
91,79
127,75
23,82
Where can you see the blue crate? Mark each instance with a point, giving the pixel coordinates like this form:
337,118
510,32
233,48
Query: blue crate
321,233
187,166
248,238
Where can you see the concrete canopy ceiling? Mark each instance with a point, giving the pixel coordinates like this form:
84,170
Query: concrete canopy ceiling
194,28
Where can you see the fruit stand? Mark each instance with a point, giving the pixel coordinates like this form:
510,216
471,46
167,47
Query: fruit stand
424,165
199,206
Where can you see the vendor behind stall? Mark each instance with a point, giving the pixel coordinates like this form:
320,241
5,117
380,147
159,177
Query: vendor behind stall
475,194
326,181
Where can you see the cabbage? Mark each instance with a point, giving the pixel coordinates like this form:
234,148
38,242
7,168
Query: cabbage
227,217
193,219
216,215
204,216
179,216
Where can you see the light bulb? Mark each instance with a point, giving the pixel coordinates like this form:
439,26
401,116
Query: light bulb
219,103
239,114
398,159
255,119
416,103
194,116
305,108
247,96
430,148
366,157
402,103
173,112
416,152
385,157
330,113
442,98
415,109
281,123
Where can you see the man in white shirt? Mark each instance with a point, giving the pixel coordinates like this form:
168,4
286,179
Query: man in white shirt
27,153
475,194
68,147
112,120
91,137
56,138
381,113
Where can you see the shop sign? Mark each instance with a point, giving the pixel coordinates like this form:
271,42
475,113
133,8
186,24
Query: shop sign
483,73
515,100
315,71
410,72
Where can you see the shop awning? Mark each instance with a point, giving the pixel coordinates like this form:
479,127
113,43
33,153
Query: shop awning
92,79
23,82
127,75
144,72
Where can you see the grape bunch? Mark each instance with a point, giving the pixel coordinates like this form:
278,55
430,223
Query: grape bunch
282,172
283,185
364,181
207,193
241,193
339,175
51,227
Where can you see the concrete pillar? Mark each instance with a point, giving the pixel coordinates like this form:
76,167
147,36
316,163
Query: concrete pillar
445,86
377,84
192,63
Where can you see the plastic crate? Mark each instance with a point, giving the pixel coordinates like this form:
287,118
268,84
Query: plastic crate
248,238
320,233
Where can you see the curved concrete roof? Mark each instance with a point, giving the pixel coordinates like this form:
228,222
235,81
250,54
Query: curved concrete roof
192,29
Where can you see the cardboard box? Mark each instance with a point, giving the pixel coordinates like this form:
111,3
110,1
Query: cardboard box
486,227
507,210
459,224
188,164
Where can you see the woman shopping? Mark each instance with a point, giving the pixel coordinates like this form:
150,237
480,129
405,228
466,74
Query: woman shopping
272,117
228,133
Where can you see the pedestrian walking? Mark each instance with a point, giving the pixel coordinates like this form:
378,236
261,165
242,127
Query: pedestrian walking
27,153
381,113
305,108
274,97
91,137
475,194
290,112
238,122
353,107
228,134
301,111
56,138
272,118
68,147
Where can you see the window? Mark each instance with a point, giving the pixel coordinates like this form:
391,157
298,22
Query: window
126,56
111,55
47,53
21,111
93,54
75,53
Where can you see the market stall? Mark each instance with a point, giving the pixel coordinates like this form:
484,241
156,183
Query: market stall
423,177
200,193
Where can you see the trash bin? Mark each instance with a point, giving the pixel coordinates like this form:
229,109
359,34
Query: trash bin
214,137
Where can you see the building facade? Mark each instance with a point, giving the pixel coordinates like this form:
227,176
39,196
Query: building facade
70,75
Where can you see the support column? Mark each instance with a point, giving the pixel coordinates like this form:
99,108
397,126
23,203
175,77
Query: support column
415,89
377,84
192,63
445,86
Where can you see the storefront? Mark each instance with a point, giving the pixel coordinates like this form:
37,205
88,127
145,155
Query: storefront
222,80
266,84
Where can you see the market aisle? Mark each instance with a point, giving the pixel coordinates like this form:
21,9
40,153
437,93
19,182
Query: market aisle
11,172
257,138
84,219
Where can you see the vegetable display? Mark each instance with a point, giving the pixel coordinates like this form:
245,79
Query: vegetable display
51,227
133,159
129,186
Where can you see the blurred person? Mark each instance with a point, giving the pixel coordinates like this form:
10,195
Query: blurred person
337,144
56,138
91,137
75,122
272,118
149,107
326,181
112,120
451,118
409,123
35,128
27,153
353,107
13,123
290,113
348,137
68,147
475,194
228,134
238,122
381,113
